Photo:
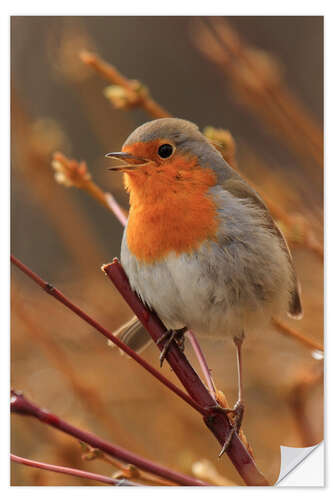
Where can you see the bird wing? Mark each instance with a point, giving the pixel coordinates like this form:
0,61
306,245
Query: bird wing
239,188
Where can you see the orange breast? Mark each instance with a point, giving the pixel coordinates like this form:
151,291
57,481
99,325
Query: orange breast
170,209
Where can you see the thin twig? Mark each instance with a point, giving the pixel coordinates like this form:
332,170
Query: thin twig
134,93
291,332
72,472
202,361
69,172
20,405
115,208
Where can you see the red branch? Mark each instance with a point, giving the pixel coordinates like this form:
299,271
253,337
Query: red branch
19,404
215,420
72,472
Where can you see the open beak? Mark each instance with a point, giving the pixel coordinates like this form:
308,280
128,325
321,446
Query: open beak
131,162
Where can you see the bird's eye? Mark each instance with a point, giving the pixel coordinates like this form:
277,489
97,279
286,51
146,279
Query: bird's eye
165,150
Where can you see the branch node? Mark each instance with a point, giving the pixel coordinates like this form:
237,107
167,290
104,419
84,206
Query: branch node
49,288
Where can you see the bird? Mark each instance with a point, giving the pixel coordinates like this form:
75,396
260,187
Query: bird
200,247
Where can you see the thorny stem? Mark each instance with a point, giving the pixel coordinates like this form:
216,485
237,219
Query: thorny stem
215,419
72,472
61,298
20,405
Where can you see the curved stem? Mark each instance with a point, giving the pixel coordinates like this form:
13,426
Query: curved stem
72,472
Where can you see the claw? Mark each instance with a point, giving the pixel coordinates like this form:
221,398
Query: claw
169,336
238,413
165,336
238,410
227,442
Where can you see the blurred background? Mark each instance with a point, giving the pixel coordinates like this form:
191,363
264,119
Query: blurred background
261,78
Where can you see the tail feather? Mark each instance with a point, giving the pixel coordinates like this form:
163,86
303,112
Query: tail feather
134,335
295,304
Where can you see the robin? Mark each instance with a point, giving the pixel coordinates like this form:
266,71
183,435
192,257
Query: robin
200,247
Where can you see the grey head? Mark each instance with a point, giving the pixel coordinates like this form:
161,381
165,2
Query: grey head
175,129
187,138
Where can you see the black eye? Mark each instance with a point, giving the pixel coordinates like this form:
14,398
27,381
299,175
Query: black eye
165,150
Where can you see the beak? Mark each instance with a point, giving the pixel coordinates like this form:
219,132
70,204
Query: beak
124,156
137,161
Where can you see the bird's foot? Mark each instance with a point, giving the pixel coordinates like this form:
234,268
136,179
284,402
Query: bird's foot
237,417
168,337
